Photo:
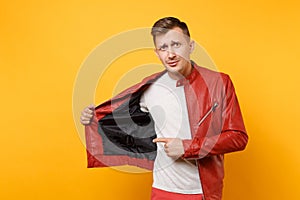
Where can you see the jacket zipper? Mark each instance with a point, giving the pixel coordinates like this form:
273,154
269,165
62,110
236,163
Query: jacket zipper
212,109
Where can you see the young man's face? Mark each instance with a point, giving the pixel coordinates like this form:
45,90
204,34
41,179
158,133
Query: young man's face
173,49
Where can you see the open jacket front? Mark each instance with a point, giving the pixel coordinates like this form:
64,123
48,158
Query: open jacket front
122,134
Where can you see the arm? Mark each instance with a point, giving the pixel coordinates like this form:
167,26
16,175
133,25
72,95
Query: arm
226,142
233,135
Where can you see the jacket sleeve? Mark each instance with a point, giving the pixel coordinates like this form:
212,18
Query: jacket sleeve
232,137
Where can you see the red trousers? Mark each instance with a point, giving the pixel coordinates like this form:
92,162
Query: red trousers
158,194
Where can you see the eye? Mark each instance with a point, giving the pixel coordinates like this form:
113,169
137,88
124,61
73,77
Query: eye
163,48
176,44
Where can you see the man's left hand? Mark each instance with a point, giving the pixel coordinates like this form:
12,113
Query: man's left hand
173,146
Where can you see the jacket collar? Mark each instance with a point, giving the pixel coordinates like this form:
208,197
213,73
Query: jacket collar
190,78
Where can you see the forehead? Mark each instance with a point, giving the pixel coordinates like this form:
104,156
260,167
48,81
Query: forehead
175,34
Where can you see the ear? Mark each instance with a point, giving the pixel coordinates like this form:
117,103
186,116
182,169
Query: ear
192,46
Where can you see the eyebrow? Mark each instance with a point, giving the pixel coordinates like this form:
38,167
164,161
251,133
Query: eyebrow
162,45
172,42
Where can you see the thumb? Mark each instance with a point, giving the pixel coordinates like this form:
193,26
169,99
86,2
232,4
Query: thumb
91,107
163,140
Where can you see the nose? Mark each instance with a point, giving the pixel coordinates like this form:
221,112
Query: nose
171,54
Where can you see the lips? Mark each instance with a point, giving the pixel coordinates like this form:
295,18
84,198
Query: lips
172,63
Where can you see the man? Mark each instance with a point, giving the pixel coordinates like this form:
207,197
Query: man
190,113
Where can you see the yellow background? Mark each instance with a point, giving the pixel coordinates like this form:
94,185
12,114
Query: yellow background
43,43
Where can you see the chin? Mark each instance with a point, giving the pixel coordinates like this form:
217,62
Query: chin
174,70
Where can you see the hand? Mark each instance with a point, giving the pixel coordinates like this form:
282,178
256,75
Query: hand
173,146
87,115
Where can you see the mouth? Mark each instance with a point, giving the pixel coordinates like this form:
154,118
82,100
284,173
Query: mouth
173,63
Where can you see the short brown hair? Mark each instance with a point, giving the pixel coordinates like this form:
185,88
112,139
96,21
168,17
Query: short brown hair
165,24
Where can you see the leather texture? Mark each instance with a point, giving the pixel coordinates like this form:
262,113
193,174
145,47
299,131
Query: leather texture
121,134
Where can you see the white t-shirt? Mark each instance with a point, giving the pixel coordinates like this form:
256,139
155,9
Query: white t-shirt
167,105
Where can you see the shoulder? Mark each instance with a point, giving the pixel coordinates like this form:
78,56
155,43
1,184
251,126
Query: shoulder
215,81
211,76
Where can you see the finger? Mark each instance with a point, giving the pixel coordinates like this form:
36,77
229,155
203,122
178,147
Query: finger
91,107
87,115
166,150
88,111
83,118
85,122
164,140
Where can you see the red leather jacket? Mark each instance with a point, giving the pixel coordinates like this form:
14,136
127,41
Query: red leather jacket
121,134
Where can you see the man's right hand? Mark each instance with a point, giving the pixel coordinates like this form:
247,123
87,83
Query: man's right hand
87,115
